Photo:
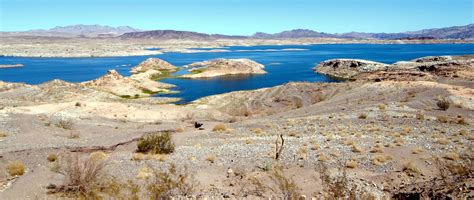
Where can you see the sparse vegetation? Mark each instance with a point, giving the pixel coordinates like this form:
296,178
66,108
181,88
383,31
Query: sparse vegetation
15,168
157,143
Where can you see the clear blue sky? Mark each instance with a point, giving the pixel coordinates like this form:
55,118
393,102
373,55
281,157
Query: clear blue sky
239,16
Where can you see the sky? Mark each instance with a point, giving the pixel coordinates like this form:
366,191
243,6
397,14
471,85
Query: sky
239,17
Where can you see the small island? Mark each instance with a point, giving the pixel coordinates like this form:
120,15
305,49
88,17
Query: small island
222,67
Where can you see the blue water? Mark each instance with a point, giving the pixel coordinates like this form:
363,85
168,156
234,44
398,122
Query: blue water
282,65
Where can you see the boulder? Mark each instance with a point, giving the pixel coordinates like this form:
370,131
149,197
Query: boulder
222,67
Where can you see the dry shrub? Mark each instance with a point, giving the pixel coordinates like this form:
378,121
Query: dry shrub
442,119
351,164
3,134
180,129
82,176
210,158
356,149
219,128
157,143
67,124
98,156
442,141
363,116
279,184
16,168
460,120
442,103
410,168
52,157
339,186
169,183
258,131
451,156
417,150
381,159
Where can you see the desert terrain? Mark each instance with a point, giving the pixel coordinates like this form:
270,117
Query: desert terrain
387,131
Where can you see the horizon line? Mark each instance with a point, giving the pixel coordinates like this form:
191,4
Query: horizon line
144,30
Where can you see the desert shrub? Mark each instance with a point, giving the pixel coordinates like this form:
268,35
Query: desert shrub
210,158
52,157
82,176
158,143
16,168
335,187
98,156
442,119
165,184
3,134
67,124
451,156
410,168
442,103
351,164
279,184
363,116
219,128
381,106
460,120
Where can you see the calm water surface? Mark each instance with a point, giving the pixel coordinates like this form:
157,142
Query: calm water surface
281,62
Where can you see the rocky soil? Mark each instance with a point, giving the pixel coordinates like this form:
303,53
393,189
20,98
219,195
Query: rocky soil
222,67
368,138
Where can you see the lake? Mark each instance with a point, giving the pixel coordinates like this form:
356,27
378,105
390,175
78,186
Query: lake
283,63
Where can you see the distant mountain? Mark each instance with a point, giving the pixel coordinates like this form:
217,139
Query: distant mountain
455,32
296,33
172,34
78,31
93,30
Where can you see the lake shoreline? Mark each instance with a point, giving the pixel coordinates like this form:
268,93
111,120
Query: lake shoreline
50,47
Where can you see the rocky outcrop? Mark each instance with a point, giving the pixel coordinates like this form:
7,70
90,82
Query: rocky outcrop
135,86
222,67
426,68
348,68
272,100
153,64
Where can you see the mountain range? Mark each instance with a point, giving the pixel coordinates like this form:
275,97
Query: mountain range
126,32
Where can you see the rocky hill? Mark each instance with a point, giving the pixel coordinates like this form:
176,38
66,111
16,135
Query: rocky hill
173,34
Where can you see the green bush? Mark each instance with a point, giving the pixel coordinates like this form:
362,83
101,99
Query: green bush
158,143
